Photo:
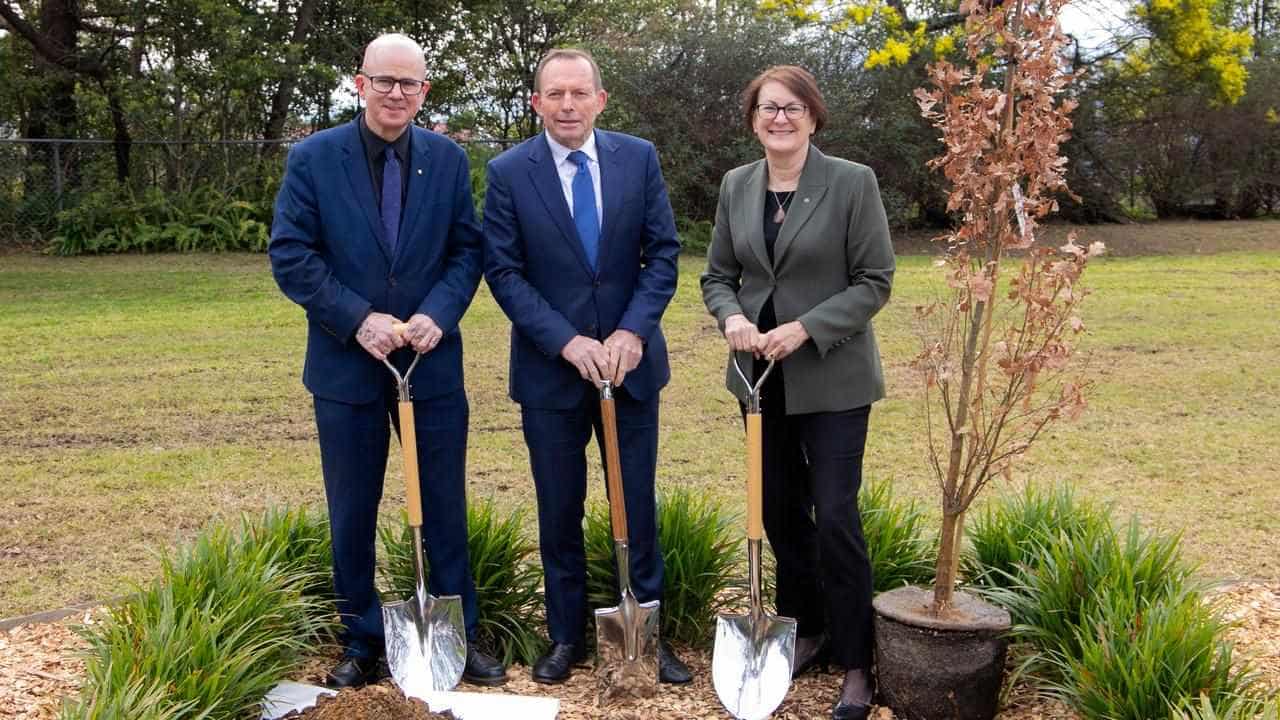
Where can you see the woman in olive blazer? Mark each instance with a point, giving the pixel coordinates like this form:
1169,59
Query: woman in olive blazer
799,263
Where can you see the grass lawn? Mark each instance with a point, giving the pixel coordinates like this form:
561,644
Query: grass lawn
142,397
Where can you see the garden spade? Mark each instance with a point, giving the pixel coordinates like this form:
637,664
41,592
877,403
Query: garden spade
751,661
626,635
426,640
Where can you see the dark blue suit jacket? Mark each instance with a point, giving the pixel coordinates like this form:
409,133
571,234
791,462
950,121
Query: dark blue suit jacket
329,255
538,271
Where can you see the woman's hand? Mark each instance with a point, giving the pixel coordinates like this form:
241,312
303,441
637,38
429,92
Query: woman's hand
741,333
781,341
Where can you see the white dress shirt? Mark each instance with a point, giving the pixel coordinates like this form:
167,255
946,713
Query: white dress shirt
567,169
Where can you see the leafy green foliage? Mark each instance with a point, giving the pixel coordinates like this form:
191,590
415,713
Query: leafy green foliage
1139,657
153,221
227,619
506,574
1119,628
894,529
1237,708
700,552
1010,534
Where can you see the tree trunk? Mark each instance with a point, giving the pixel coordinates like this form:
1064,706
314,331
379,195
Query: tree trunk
284,91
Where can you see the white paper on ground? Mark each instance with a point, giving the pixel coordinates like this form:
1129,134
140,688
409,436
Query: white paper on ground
289,696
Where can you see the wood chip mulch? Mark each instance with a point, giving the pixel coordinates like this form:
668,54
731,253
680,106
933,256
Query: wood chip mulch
39,666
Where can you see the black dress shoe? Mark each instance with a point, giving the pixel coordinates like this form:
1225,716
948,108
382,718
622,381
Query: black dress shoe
557,663
352,672
850,711
670,668
483,669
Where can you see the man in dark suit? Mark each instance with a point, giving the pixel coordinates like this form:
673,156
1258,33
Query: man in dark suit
580,252
374,225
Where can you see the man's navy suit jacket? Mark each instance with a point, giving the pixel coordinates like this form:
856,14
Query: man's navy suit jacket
330,255
539,273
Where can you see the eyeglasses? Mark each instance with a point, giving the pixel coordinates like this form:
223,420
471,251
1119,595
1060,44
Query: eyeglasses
384,83
769,111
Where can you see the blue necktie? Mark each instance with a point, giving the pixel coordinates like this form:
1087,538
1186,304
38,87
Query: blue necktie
391,198
584,207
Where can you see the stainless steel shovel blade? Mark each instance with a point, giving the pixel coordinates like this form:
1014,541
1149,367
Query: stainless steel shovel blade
426,644
627,647
751,666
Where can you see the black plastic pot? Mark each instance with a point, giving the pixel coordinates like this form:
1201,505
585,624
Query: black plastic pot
939,668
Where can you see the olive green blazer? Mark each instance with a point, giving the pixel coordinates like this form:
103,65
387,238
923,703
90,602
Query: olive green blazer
833,271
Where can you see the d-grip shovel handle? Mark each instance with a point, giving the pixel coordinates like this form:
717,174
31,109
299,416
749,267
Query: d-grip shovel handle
755,452
612,463
408,437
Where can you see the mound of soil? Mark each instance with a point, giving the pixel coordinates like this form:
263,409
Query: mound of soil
372,702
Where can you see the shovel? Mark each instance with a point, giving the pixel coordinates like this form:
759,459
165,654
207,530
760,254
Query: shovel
626,635
426,639
751,662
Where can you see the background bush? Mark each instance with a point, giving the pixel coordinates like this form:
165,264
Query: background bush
156,221
506,573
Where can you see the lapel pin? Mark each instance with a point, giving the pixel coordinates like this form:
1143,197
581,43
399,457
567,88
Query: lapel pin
806,199
420,172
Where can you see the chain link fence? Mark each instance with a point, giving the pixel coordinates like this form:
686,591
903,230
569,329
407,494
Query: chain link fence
41,178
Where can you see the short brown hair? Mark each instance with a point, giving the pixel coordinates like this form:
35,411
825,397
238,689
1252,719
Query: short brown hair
566,54
797,80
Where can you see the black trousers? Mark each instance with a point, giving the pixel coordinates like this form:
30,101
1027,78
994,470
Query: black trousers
812,474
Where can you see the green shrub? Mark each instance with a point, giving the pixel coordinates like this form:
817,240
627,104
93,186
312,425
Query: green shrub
226,621
1139,658
900,553
1051,598
507,578
701,555
203,219
695,235
1231,708
1009,534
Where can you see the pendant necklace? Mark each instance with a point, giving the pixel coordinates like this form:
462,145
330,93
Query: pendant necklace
781,214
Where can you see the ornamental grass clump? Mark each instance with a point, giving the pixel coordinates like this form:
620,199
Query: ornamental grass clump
700,554
1141,658
997,349
507,577
227,620
894,529
1009,534
1237,708
1118,626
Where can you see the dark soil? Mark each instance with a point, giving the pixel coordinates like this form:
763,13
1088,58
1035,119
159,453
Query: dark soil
372,702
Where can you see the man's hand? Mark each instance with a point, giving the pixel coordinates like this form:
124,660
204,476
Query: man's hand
422,333
377,336
625,350
742,334
590,358
782,340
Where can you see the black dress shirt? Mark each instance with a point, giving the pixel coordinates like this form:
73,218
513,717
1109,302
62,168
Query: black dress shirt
375,152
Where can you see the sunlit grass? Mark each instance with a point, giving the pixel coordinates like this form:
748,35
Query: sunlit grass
143,396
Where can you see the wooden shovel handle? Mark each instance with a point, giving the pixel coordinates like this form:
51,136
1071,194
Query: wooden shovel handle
613,469
409,446
755,477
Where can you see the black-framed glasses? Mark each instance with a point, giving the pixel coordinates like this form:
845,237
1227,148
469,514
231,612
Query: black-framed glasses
794,111
384,83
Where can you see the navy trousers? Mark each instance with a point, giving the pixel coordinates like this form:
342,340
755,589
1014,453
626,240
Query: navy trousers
353,454
557,441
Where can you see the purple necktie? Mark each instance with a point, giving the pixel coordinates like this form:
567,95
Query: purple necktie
391,199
